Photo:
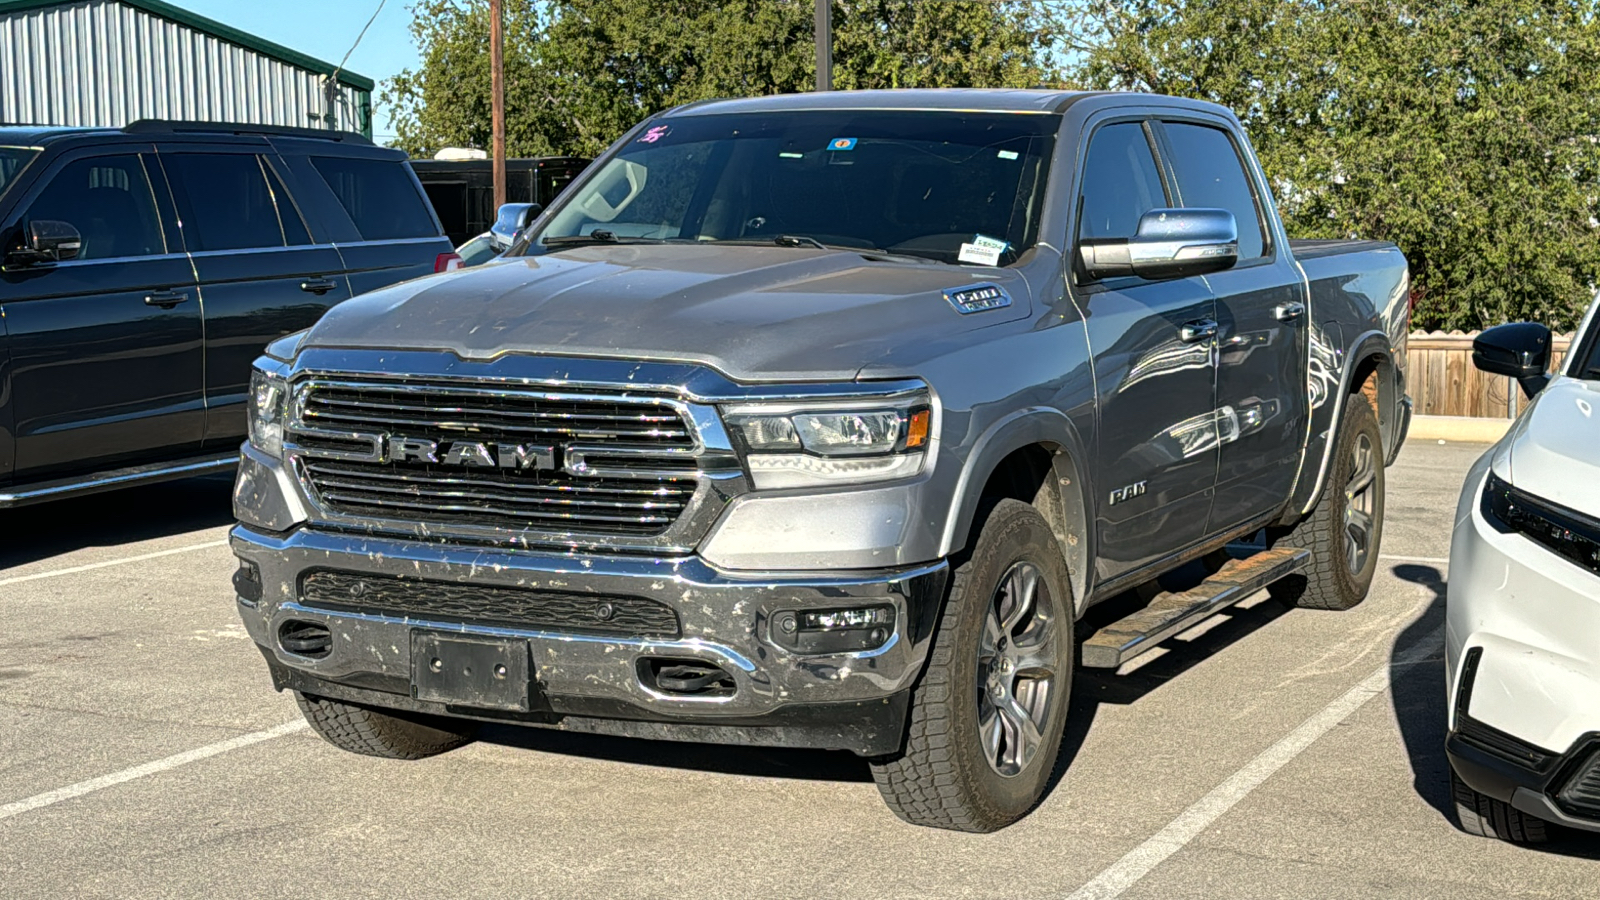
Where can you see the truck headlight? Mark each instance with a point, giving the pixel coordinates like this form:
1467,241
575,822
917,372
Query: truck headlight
268,407
840,442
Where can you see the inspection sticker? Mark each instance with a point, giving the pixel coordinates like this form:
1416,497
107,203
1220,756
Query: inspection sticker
1008,154
842,144
655,134
983,256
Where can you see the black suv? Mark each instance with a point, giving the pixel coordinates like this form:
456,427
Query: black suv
142,269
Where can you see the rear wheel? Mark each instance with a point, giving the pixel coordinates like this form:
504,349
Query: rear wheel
988,715
1345,529
1488,817
364,730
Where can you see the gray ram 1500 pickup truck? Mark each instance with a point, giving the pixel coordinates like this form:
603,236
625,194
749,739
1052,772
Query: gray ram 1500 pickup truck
820,421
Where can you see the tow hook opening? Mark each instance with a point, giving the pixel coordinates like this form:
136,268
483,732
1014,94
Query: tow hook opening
685,677
307,639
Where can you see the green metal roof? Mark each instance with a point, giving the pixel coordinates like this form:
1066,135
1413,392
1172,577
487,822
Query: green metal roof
215,29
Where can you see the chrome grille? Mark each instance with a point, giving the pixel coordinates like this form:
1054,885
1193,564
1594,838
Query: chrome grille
623,464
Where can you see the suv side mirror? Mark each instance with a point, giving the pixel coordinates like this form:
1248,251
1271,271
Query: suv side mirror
1519,349
47,241
1171,243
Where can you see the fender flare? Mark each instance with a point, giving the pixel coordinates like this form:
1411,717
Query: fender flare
1023,428
1368,344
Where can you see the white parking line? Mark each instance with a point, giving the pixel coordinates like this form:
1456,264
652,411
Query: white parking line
73,570
49,798
1436,560
1189,824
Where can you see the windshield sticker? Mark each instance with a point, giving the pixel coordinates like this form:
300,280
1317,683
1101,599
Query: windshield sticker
1008,154
655,134
787,155
983,256
983,240
842,144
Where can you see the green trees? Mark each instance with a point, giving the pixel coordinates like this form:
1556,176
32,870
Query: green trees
580,72
1468,133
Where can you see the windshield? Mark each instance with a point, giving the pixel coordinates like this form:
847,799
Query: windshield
1586,347
957,187
12,159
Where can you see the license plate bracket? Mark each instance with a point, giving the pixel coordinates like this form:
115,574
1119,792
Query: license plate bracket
488,673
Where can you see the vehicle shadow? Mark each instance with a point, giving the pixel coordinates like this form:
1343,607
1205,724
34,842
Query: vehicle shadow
1417,690
33,533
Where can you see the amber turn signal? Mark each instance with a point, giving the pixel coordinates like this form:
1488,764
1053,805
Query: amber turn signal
917,429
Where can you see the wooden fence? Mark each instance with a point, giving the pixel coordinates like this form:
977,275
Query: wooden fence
1442,380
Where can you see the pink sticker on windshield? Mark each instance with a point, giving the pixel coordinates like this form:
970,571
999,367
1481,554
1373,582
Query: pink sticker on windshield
655,134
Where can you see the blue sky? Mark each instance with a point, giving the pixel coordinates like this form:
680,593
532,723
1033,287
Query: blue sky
326,29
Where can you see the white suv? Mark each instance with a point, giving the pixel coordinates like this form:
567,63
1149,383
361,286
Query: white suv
1522,645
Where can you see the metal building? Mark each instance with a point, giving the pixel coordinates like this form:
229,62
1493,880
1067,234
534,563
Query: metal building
110,62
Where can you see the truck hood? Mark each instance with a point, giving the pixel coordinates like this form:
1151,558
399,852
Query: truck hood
1554,450
754,313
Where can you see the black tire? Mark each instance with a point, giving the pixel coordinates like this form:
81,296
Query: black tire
1487,817
944,778
1333,580
370,732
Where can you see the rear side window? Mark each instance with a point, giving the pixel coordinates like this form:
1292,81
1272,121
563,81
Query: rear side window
109,201
1211,175
1120,183
230,201
379,196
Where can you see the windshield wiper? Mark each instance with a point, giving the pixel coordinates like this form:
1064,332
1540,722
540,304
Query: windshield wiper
597,236
800,240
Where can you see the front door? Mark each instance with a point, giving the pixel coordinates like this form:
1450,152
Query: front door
107,363
1157,443
1261,339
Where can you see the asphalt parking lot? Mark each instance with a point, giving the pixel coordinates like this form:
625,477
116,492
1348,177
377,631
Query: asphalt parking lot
1266,753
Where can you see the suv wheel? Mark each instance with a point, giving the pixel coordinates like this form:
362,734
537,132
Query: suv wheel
988,715
1488,817
1345,529
364,730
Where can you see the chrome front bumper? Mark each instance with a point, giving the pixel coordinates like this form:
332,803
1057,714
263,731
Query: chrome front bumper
725,621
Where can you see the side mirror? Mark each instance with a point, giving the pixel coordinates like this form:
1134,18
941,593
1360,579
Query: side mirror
47,241
1171,243
512,218
1520,349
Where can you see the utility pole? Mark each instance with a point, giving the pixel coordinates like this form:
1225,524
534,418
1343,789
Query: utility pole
824,36
497,88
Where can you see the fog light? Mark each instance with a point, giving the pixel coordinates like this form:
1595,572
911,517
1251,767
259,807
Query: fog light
835,619
833,630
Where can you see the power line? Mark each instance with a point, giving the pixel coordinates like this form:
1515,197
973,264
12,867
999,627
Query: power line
340,67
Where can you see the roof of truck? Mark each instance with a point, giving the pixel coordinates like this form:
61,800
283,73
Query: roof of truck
966,99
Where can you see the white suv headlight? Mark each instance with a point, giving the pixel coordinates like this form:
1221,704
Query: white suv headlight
268,407
788,445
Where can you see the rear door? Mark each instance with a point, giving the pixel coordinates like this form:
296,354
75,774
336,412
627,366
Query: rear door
107,361
1157,444
262,272
1261,338
381,221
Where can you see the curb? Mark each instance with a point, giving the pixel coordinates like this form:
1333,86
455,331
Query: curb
1458,429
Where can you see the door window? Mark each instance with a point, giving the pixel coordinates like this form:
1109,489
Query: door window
380,197
109,201
1211,175
228,203
1120,183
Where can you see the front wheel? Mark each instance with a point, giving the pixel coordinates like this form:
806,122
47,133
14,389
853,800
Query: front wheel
374,732
988,715
1345,529
1487,817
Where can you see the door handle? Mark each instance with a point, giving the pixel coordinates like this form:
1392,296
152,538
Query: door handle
1197,331
165,299
318,286
1289,312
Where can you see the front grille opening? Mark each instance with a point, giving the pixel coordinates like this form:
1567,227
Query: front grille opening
685,677
653,431
305,639
1581,794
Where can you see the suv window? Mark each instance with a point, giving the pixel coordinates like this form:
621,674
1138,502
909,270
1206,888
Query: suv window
227,203
1120,183
1211,175
108,199
379,195
12,159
